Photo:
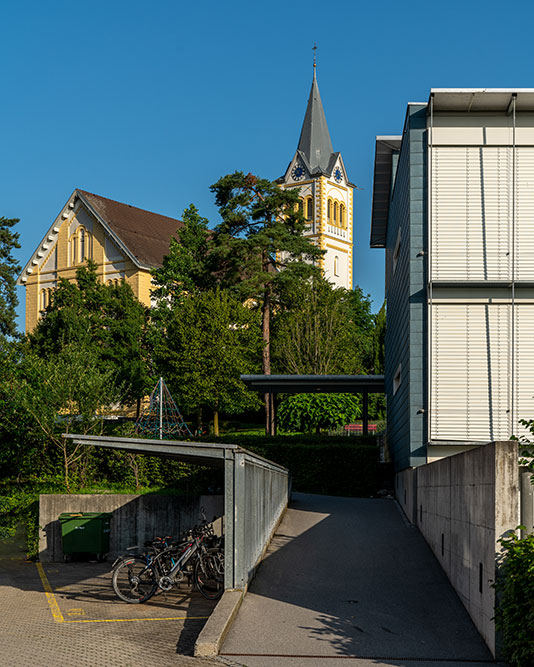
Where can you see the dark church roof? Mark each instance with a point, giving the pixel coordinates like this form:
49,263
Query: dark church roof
145,234
315,142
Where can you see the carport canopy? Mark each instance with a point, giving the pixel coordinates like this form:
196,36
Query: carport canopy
246,501
308,384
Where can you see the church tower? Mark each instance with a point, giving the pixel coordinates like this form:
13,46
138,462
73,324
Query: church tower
326,194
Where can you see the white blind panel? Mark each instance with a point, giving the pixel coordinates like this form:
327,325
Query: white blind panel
524,224
471,212
524,364
470,372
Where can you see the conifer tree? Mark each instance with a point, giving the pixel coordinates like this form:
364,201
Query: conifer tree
9,268
261,249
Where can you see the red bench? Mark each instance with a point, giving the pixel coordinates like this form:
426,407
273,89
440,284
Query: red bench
358,428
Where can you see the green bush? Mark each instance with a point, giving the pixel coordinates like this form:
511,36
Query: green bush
336,466
514,611
313,412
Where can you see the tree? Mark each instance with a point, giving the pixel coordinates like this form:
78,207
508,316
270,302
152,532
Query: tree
312,412
105,318
9,268
211,339
187,267
322,330
379,340
65,393
260,248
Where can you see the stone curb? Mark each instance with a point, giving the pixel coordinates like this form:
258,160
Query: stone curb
213,633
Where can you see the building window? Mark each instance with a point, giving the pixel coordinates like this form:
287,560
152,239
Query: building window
336,265
397,379
329,210
335,213
342,215
309,209
45,297
83,241
73,253
80,246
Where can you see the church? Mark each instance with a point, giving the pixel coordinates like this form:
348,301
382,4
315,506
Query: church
126,242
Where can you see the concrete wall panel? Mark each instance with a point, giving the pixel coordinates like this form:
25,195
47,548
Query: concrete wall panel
136,518
463,505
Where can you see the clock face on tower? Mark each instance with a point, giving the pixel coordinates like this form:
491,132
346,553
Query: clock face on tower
338,175
297,172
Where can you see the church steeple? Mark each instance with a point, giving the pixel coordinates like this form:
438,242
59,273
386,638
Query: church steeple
325,192
315,142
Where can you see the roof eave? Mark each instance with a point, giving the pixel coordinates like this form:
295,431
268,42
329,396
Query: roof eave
116,238
383,174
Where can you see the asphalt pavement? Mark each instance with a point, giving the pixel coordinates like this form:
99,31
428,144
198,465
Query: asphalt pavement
349,579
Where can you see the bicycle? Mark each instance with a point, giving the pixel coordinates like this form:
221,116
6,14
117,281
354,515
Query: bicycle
200,557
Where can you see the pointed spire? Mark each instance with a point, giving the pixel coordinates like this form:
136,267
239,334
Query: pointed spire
314,139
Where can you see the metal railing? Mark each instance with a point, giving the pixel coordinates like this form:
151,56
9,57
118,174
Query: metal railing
256,495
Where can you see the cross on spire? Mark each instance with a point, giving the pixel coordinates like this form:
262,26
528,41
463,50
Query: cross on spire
314,49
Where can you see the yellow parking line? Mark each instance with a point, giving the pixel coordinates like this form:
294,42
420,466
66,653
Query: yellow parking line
124,620
58,616
52,602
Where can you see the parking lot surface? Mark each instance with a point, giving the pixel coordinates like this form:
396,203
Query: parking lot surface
60,614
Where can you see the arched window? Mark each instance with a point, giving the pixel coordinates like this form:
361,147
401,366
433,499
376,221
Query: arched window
80,246
342,215
83,240
309,208
335,213
329,210
45,298
73,249
301,206
336,265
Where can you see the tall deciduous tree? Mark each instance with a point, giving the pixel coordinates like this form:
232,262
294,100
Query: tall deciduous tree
63,394
9,240
260,248
322,330
211,339
107,318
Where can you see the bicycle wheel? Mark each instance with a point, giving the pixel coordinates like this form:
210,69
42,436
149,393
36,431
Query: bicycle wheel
209,575
133,581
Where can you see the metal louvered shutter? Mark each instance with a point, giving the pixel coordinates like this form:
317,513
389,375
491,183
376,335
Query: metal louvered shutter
470,372
524,364
471,212
524,214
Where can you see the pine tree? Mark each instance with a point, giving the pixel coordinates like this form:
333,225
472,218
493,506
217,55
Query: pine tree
261,249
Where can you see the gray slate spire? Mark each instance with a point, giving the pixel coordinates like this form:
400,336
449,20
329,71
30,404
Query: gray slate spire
314,139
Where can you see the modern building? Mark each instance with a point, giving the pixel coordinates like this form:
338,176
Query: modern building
325,191
125,242
453,205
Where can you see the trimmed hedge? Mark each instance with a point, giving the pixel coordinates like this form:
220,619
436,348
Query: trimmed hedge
334,466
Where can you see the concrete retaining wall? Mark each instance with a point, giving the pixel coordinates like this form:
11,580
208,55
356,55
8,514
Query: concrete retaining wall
463,505
136,518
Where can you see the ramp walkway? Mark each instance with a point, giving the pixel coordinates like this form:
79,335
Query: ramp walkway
347,580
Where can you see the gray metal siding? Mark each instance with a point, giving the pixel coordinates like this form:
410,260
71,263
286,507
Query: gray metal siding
406,298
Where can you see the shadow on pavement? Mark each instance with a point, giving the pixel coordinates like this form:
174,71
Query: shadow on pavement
348,577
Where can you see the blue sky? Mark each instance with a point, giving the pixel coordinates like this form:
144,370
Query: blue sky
150,103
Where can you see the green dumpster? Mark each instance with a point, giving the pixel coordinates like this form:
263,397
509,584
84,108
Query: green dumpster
85,532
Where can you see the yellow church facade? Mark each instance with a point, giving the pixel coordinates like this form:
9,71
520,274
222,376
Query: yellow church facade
125,243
